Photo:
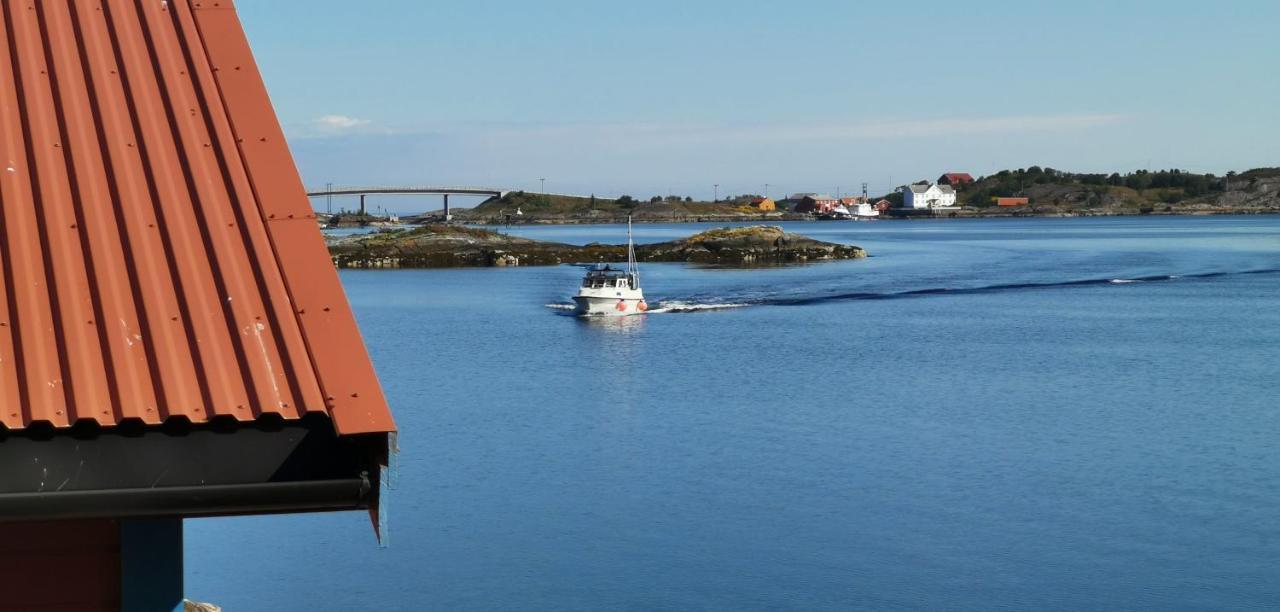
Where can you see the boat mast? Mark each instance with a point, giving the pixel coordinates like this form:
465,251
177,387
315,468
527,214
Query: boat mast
633,270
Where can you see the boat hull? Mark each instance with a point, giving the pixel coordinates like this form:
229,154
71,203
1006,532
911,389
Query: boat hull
599,306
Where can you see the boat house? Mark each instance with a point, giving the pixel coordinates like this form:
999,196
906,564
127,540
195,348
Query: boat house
174,340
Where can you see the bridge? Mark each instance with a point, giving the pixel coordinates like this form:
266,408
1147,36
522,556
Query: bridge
407,190
426,190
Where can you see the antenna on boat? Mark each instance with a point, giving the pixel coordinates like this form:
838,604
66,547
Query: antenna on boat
632,269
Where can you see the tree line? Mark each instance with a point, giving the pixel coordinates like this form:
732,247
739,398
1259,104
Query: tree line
1011,183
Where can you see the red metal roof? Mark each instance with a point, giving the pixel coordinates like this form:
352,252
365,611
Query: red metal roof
956,178
158,254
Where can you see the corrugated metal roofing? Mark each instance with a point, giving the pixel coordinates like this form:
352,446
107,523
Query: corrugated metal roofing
159,256
957,177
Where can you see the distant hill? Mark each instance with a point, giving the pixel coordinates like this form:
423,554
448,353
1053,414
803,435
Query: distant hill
1050,192
1172,191
547,207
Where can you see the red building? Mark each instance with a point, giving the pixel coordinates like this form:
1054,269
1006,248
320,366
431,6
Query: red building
816,203
955,179
148,184
1012,201
883,206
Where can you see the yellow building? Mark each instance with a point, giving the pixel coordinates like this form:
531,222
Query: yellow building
764,203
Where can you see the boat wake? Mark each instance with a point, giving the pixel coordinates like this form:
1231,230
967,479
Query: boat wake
999,288
682,306
665,306
709,303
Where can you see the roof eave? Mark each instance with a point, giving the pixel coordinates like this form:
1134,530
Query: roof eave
216,469
191,501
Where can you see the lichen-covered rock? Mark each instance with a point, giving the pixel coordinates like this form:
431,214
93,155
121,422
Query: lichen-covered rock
443,246
754,245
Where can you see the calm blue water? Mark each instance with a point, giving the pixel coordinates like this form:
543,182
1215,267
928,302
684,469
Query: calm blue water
975,418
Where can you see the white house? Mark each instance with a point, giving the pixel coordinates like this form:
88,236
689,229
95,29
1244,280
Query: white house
926,195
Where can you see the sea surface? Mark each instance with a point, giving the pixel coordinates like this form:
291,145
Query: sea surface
1022,414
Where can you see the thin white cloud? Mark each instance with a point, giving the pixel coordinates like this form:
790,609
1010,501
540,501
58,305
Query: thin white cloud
340,122
662,134
658,157
331,125
927,128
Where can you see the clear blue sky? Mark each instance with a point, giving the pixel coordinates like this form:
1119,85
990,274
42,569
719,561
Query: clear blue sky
661,96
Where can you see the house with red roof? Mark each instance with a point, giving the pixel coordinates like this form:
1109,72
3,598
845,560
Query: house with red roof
955,179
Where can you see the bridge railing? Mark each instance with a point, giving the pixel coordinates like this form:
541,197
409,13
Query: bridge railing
405,190
436,190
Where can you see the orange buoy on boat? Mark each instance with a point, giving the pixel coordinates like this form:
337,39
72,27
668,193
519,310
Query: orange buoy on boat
622,305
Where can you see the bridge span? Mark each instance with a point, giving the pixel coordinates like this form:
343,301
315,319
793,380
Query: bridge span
407,190
362,192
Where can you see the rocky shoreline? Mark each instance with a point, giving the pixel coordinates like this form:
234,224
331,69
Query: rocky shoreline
1050,193
449,246
1048,211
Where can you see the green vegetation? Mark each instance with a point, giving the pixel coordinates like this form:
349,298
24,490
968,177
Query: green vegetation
1140,189
1257,173
1050,192
441,229
438,246
349,218
729,233
539,204
548,207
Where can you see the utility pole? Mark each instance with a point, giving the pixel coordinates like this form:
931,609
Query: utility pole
864,191
766,190
328,198
544,186
716,197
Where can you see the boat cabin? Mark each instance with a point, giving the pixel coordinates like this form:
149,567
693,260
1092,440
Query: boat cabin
608,278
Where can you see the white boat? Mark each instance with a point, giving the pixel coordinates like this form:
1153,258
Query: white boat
865,211
839,213
860,212
608,291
